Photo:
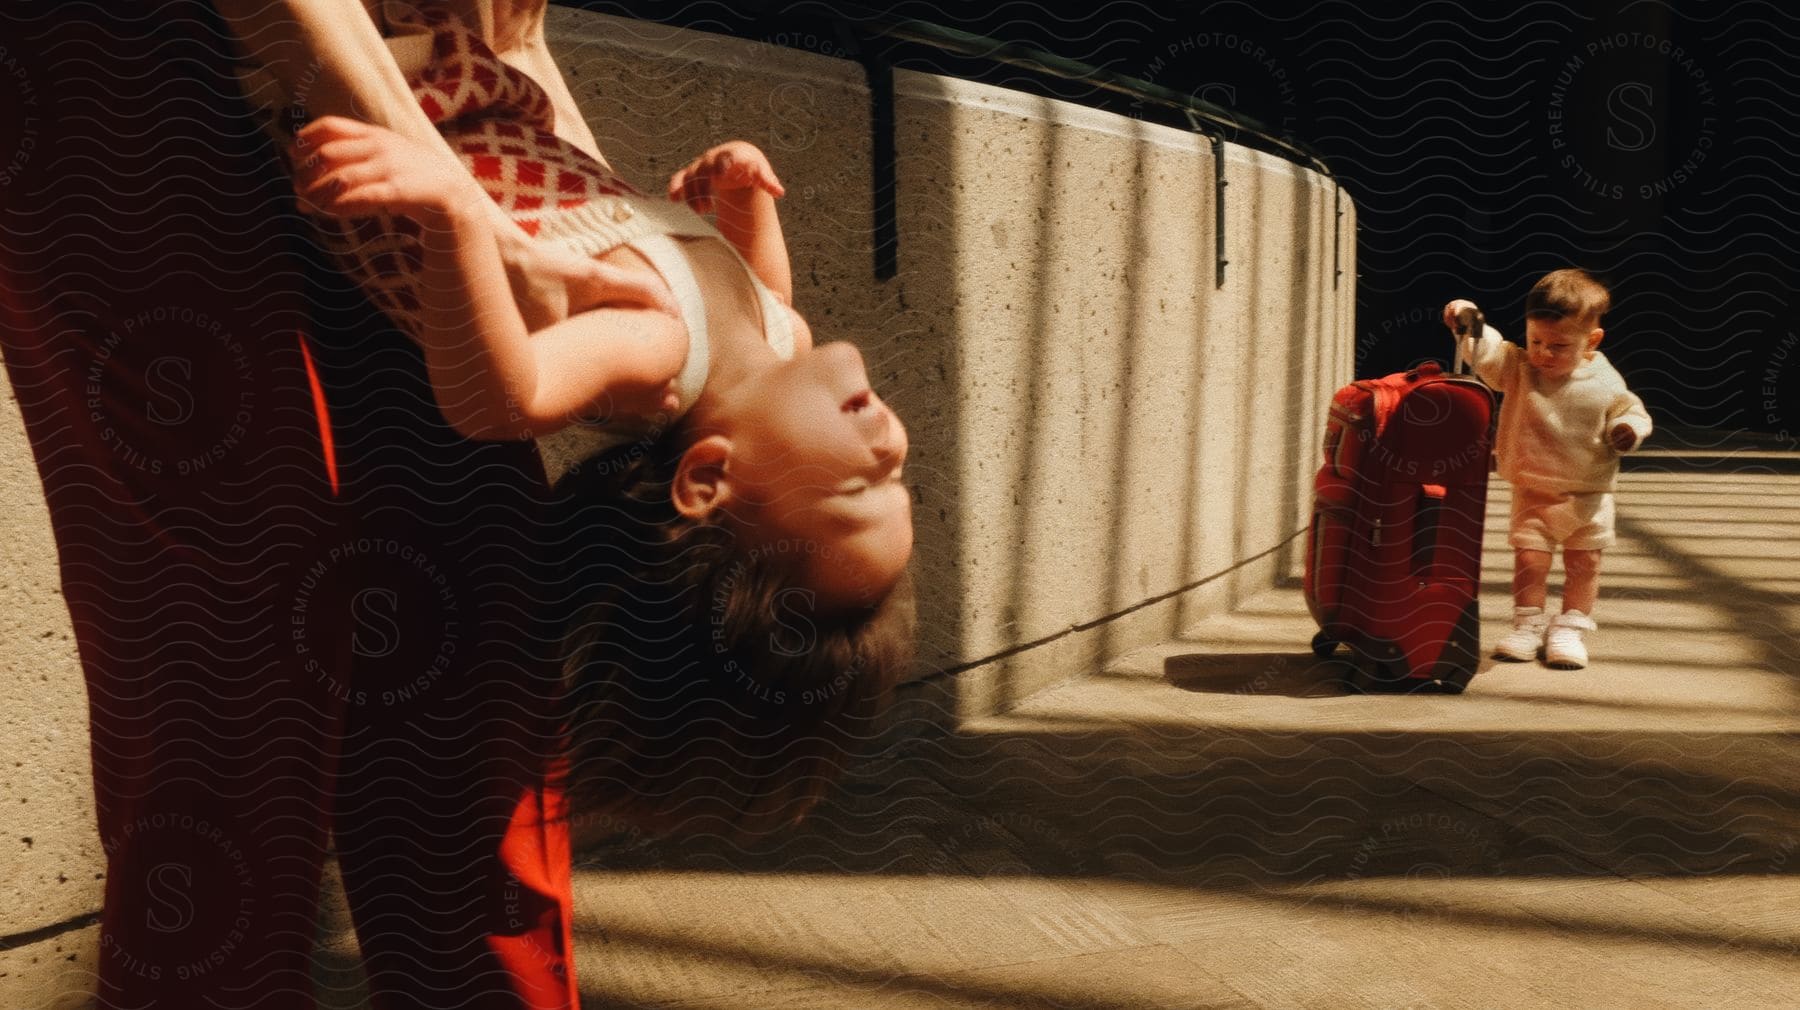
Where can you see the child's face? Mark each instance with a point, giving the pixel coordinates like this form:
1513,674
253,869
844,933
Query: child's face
816,456
1556,347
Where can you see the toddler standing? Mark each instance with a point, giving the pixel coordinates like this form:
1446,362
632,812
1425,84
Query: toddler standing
1566,418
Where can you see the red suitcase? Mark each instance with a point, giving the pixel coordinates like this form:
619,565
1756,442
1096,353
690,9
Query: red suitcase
1393,555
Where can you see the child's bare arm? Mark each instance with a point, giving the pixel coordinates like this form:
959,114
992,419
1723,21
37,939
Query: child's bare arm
735,182
491,375
629,354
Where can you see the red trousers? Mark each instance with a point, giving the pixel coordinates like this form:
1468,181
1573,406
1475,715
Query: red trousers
306,610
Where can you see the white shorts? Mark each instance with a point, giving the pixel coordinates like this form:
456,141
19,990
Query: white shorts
1543,520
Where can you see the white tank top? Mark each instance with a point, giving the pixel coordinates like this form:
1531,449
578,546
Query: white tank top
671,261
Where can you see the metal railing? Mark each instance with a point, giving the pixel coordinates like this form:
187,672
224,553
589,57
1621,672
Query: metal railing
1200,114
860,29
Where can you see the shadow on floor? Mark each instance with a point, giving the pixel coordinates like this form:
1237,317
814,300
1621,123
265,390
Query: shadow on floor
1288,674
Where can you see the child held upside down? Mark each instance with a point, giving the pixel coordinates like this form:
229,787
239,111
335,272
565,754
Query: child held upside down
1565,420
748,509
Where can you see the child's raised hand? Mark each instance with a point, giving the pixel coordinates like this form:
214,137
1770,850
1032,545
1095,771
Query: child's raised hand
347,168
1623,439
1454,308
733,167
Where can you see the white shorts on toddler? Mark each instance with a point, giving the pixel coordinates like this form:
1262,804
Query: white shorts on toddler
1544,520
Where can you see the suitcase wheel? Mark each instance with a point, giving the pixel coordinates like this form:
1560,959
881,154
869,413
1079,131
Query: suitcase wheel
1323,645
1455,683
1372,676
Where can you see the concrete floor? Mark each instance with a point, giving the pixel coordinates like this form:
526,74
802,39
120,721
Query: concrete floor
1214,822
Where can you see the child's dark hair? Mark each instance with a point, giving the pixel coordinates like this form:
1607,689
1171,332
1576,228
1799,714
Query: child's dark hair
1568,294
704,689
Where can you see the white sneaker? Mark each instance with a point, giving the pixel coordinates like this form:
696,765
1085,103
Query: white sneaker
1521,644
1563,647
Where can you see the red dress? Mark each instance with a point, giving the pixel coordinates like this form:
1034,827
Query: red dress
288,621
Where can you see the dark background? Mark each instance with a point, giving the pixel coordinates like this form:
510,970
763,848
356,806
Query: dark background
1653,143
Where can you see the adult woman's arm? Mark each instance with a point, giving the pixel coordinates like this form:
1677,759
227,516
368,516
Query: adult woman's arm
311,58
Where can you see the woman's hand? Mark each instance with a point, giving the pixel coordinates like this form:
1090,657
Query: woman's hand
722,172
551,283
346,168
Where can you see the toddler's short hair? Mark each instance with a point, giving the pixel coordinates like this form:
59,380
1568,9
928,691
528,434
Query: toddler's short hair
704,690
1568,294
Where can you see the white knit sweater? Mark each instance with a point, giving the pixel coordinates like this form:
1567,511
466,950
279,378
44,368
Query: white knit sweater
1554,433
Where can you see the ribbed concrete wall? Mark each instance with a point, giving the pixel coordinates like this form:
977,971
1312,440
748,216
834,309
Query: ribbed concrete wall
1105,446
1110,429
50,854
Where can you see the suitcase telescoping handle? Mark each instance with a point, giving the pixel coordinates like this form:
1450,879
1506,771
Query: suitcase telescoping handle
1469,323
